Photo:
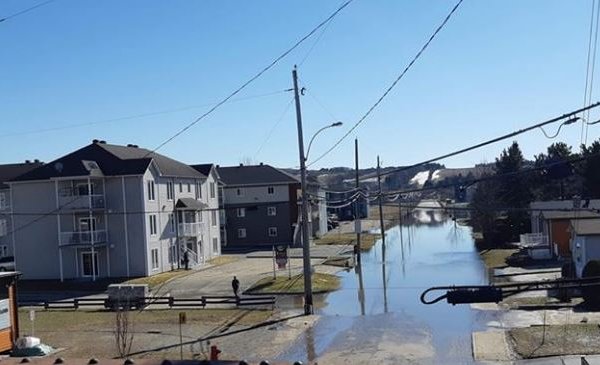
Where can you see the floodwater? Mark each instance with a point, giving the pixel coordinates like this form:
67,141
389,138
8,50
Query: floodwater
386,322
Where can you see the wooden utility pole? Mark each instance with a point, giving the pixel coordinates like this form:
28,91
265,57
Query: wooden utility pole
381,210
357,206
308,295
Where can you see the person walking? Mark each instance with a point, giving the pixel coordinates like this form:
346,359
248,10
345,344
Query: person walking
186,260
235,285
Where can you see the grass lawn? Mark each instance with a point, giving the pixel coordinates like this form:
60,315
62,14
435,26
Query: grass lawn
571,339
159,279
496,258
223,259
84,320
321,283
367,240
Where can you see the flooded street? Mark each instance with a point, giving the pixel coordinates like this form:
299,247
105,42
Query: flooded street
386,322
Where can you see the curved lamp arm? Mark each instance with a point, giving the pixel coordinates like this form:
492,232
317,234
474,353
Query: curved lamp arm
336,124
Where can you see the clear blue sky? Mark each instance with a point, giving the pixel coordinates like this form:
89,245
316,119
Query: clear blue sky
496,67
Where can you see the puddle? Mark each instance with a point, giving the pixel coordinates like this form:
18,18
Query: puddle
376,316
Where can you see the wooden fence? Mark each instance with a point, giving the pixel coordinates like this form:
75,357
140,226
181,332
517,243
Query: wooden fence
170,302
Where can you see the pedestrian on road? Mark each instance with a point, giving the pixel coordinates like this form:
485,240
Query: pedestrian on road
186,260
235,284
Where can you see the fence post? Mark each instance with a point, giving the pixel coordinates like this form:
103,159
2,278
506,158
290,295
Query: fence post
171,302
76,303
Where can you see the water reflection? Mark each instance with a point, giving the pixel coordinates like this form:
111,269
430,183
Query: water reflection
377,308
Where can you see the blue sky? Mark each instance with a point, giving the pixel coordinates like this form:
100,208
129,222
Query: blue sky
496,67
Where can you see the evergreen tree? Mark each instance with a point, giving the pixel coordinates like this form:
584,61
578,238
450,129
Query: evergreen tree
589,170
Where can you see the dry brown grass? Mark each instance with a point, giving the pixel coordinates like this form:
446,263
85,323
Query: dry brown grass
367,240
496,258
321,283
571,339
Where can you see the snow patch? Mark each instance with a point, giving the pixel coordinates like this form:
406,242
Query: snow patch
436,175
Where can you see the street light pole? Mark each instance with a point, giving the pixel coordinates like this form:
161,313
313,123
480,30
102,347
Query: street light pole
308,297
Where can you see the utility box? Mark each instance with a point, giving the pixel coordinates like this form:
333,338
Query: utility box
127,295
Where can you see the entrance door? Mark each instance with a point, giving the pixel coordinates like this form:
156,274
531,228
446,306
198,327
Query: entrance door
89,263
87,224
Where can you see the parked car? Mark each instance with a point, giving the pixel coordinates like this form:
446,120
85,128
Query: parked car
7,263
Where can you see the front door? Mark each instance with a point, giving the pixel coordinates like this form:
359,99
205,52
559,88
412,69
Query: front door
89,263
87,224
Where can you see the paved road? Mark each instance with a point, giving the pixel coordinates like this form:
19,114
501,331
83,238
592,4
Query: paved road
560,360
217,280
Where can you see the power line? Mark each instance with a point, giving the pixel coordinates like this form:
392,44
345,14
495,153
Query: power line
256,76
268,136
587,70
389,89
136,116
25,10
488,142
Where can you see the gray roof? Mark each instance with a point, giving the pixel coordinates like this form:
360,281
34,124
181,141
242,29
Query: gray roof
586,227
254,175
111,160
190,203
204,168
11,171
569,214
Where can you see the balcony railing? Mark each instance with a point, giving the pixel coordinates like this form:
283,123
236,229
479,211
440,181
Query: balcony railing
531,240
83,237
95,201
190,229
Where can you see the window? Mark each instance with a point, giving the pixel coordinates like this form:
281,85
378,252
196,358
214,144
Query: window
3,251
151,190
213,218
172,251
212,190
180,187
271,211
154,253
239,192
3,227
272,231
200,216
241,212
170,190
241,232
189,188
3,202
153,227
270,190
198,190
215,245
172,222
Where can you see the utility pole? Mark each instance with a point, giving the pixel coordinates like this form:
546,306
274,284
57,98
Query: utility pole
308,298
357,206
381,210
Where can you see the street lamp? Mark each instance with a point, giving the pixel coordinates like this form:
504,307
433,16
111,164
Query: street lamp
308,299
332,125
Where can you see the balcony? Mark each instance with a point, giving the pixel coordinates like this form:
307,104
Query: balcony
190,229
82,202
83,237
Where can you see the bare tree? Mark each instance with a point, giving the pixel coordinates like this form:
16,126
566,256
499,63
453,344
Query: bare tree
123,330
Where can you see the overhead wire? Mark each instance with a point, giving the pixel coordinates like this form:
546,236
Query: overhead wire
593,66
253,78
567,122
485,143
392,86
137,116
587,70
277,122
21,12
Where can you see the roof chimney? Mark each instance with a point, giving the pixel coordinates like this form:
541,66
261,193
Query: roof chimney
102,142
36,161
95,141
261,164
27,161
241,164
132,145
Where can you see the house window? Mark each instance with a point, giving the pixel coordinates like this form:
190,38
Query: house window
271,211
198,191
154,254
272,231
200,216
212,190
151,195
241,212
180,187
215,245
270,190
239,192
170,190
172,221
3,227
3,202
189,187
241,232
213,218
153,226
3,251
